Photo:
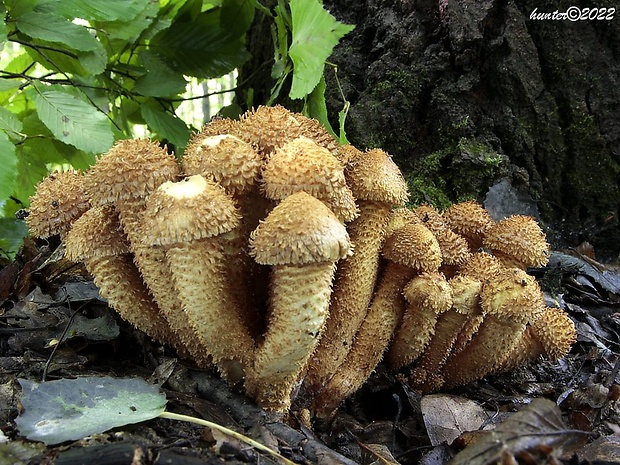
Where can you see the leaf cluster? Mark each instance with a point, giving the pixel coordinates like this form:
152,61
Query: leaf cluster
81,74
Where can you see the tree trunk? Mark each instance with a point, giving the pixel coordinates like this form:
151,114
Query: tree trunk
466,93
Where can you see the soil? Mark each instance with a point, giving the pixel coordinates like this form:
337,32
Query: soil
54,325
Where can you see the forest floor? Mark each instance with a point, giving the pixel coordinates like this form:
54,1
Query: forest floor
53,325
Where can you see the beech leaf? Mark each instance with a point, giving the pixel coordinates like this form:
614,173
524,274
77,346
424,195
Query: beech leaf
315,34
71,409
74,121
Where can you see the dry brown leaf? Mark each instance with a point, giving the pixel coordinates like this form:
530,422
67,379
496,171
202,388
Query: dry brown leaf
446,417
537,428
380,453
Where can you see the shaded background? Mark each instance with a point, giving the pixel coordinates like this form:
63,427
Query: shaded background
470,94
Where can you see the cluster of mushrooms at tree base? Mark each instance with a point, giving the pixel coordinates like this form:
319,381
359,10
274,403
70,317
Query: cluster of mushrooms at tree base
291,265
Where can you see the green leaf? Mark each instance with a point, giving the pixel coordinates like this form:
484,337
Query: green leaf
237,16
74,121
99,10
10,124
315,34
201,48
12,236
71,409
316,106
167,127
131,30
56,29
159,80
19,7
3,34
8,162
81,63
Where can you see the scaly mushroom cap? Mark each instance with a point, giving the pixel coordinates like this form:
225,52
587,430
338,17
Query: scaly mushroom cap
312,234
347,153
267,128
454,248
399,217
131,169
218,126
82,243
465,294
482,266
521,238
429,290
414,246
302,164
184,211
57,203
375,177
468,219
513,295
555,331
227,159
430,217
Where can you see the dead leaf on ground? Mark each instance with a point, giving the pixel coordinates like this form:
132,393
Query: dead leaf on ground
378,453
536,429
446,417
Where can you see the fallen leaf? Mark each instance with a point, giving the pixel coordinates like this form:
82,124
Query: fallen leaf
70,409
379,452
446,417
539,426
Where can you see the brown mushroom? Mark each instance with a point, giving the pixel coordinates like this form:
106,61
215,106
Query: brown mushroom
302,164
510,301
518,241
425,376
469,219
410,249
428,296
551,335
267,128
97,240
301,240
377,184
236,165
124,177
59,201
186,219
454,247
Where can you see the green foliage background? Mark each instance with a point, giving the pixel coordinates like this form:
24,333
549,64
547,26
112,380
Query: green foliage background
87,71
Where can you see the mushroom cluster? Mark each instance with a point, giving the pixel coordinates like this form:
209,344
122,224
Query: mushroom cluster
291,265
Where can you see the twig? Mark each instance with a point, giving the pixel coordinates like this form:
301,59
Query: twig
229,432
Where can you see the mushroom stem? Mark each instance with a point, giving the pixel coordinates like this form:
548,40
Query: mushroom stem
198,271
187,219
302,240
408,250
353,289
284,353
370,343
465,301
551,335
151,262
484,353
510,301
428,295
96,240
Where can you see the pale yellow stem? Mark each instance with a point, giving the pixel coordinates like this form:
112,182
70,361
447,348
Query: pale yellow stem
353,289
370,343
299,302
